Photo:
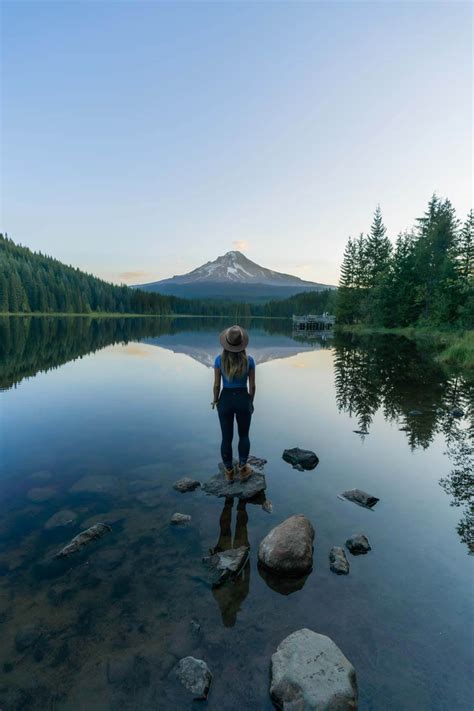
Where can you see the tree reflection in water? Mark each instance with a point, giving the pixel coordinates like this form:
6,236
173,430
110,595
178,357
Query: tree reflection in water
397,375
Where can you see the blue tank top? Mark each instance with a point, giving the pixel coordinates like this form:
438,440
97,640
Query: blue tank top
238,382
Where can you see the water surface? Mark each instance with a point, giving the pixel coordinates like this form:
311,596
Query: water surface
99,418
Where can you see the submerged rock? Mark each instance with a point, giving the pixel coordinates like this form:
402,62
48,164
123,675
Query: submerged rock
194,674
219,486
41,493
83,538
95,484
300,459
310,673
186,484
338,561
358,544
360,497
61,518
288,548
227,564
179,518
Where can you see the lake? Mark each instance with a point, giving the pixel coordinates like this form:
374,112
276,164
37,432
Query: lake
98,418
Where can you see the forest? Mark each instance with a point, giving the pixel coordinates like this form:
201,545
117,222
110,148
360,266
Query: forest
426,279
34,283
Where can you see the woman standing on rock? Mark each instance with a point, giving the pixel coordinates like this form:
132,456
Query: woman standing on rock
234,368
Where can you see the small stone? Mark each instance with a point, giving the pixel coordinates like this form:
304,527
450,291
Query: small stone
41,493
310,673
288,548
360,497
457,412
300,459
358,544
186,484
194,674
179,518
338,561
83,538
227,564
267,506
61,518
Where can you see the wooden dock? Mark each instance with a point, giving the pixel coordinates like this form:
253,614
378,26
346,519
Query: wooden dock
312,322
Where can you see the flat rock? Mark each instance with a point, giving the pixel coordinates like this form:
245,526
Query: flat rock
179,518
360,497
338,561
219,486
300,459
83,538
194,674
288,548
358,544
227,564
256,462
61,518
310,673
186,484
41,493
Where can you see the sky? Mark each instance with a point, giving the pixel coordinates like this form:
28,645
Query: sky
141,139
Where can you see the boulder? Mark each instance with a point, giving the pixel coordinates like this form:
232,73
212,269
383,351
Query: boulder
219,486
360,497
338,561
310,673
83,538
227,564
194,674
358,544
179,518
288,548
300,459
186,484
61,518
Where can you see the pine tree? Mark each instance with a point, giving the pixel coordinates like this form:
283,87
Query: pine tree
378,250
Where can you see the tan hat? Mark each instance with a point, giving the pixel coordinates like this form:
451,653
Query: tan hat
234,339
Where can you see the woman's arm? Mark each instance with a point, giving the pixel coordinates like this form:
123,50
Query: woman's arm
217,385
252,387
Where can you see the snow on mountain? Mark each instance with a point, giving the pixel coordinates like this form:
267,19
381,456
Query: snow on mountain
235,268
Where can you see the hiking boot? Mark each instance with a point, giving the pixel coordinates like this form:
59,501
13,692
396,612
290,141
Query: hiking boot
245,472
229,474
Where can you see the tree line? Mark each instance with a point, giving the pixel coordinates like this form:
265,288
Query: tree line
31,282
427,278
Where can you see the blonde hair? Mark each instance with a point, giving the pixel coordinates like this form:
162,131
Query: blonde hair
234,365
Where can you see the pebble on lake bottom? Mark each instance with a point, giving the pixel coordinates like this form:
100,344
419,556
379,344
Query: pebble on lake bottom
195,675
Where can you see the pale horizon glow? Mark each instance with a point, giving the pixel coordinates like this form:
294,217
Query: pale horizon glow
140,140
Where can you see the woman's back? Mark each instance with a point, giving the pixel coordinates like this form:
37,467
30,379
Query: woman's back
237,381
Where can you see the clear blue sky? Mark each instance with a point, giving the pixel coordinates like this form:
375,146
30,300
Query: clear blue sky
141,139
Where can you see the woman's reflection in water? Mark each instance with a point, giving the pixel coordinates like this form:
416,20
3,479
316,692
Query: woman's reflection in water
231,595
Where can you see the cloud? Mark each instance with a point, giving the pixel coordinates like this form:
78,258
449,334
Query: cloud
240,244
128,276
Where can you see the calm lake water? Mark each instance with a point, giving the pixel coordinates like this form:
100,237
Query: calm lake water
99,418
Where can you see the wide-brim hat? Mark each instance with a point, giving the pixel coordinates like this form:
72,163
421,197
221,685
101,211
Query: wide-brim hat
234,339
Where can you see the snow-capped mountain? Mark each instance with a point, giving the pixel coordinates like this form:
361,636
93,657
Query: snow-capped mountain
226,274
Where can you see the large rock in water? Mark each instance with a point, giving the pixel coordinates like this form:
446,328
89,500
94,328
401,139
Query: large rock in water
219,486
300,459
358,544
83,538
288,548
310,673
195,675
338,561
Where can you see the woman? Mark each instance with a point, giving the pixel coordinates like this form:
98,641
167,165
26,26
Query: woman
234,368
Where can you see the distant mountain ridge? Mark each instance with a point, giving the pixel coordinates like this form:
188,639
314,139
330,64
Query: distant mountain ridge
231,276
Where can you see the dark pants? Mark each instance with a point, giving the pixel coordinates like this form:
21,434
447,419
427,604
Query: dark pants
234,401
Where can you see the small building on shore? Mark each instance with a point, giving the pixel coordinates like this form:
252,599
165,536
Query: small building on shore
313,322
